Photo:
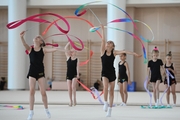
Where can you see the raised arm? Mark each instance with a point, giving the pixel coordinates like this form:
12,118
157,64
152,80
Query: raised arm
66,48
103,42
27,47
128,72
118,52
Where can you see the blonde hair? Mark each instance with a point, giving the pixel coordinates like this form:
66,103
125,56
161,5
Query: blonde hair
110,41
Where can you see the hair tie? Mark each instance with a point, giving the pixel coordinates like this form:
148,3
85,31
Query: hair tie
155,48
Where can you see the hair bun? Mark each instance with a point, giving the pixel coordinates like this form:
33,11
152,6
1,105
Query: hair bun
155,48
169,53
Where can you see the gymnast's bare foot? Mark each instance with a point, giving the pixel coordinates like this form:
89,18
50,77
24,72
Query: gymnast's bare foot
75,103
70,103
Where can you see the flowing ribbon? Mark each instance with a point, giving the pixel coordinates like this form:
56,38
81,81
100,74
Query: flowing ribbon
154,107
168,83
129,20
78,13
70,17
133,35
71,42
76,18
85,62
145,86
86,88
18,107
80,8
95,91
34,18
54,45
149,93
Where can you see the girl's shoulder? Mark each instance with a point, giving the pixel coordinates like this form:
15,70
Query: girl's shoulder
122,62
172,64
159,59
150,61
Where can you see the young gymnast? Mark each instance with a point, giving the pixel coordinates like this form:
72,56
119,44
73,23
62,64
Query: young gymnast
72,72
172,81
36,70
108,71
124,78
155,67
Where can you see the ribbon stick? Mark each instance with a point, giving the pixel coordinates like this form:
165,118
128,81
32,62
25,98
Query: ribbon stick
168,83
95,16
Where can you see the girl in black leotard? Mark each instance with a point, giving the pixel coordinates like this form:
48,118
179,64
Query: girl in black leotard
36,70
154,70
172,81
124,78
72,72
108,71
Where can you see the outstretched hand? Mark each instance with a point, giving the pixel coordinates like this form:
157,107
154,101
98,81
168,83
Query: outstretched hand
102,26
22,33
170,69
137,55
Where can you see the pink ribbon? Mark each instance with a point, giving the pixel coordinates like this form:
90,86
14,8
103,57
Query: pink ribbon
34,18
